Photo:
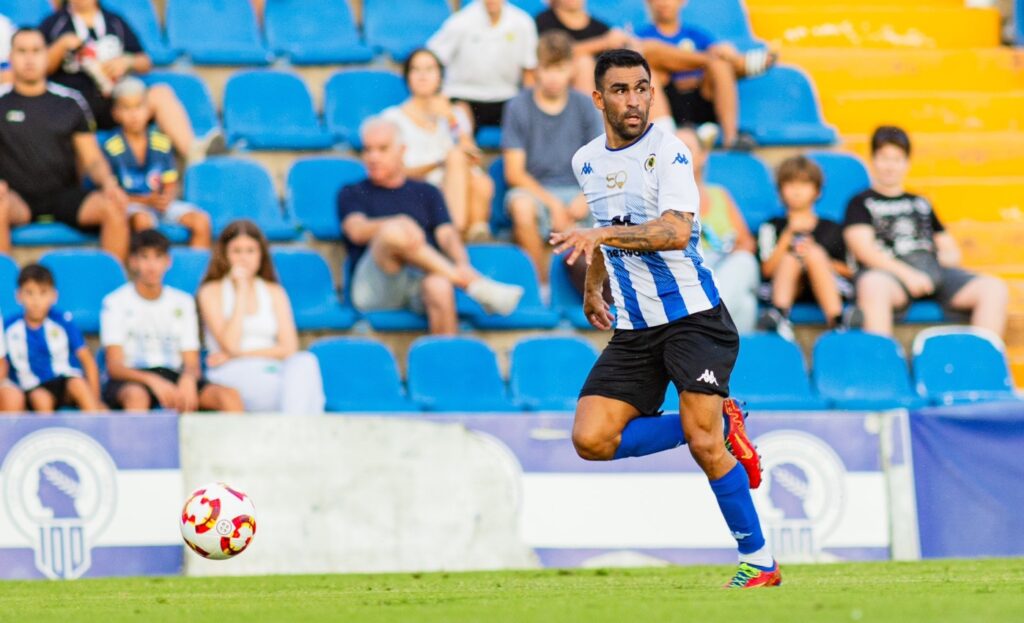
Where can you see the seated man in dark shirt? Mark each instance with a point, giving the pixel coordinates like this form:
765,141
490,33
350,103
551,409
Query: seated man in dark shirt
904,251
46,131
591,37
404,251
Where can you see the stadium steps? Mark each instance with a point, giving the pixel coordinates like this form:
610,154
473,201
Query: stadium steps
991,199
937,111
891,26
991,247
960,154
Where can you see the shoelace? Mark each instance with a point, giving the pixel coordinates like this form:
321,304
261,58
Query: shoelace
744,573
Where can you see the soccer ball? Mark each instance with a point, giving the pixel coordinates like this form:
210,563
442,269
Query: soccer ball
218,522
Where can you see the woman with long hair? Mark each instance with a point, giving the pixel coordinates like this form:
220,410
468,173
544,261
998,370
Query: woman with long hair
250,330
439,146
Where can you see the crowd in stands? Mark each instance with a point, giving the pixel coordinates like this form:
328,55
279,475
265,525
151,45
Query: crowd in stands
426,193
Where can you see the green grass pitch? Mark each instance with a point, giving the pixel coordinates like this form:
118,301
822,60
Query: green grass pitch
942,591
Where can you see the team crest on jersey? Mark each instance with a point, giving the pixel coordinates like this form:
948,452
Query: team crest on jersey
59,490
649,163
15,116
616,180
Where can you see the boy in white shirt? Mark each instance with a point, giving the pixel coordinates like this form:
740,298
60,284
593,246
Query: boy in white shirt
151,336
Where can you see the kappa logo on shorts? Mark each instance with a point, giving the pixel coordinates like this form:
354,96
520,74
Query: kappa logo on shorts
708,377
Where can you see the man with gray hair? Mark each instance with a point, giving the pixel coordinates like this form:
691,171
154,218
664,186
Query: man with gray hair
404,251
142,159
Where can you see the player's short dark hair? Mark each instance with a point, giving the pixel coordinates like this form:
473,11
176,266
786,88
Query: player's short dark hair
36,273
149,239
799,168
617,58
890,135
407,65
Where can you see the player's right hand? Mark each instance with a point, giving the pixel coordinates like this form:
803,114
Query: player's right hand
598,314
917,282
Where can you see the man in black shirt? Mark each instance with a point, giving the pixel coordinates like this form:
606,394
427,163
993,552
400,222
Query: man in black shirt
591,37
46,131
904,251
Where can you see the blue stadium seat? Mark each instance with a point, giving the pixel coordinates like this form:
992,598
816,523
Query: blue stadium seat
398,33
770,374
8,283
749,182
565,299
360,375
84,277
961,365
726,19
388,320
307,279
352,96
216,32
845,176
141,16
780,107
26,12
500,222
231,188
320,34
924,312
188,267
284,121
456,374
857,370
533,7
312,192
49,235
630,14
489,137
509,264
194,97
548,372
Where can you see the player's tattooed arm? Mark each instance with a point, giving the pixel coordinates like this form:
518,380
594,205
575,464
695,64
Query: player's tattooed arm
594,306
671,231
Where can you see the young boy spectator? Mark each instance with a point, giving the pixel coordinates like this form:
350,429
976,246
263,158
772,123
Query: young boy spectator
543,128
488,48
142,160
151,335
48,356
802,253
905,253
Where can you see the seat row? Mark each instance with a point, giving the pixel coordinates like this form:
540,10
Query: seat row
227,32
852,370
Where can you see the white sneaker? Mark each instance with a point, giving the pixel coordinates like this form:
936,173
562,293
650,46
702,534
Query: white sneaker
495,297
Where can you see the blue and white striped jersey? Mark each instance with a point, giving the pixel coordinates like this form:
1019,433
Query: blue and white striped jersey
631,186
45,353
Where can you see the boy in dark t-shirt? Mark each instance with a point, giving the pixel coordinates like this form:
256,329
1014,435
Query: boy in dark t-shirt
904,252
802,253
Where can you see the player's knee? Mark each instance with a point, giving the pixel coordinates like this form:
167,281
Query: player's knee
592,444
706,447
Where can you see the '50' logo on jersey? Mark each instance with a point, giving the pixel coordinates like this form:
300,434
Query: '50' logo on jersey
615,180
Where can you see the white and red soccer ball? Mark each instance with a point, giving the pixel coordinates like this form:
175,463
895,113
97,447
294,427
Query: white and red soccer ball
218,522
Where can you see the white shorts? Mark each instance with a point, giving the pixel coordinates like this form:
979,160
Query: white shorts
171,216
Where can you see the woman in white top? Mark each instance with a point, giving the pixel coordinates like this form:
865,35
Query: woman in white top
439,146
250,330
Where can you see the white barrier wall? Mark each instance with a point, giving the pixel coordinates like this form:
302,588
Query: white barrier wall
347,494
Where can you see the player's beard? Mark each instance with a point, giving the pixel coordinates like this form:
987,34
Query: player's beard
623,129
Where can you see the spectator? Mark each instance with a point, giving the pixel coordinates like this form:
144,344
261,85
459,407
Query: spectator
141,159
905,253
801,253
543,128
91,49
151,335
439,146
46,134
489,48
590,35
250,330
403,248
7,31
699,71
728,246
47,354
12,399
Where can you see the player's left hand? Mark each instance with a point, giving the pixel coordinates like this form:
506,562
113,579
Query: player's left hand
581,241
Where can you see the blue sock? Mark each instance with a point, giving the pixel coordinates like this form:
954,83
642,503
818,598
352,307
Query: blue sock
654,433
733,494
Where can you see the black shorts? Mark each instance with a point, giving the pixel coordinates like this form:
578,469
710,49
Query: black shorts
113,388
58,388
697,353
485,113
60,206
689,107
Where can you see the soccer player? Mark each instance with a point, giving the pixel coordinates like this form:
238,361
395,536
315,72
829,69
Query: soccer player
49,358
671,325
